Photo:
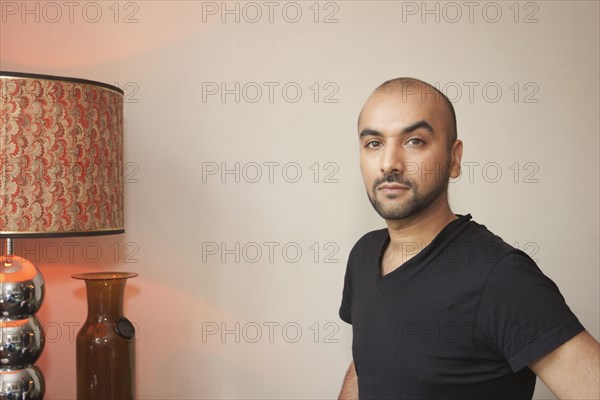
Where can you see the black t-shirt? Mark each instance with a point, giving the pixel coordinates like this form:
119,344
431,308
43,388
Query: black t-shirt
461,319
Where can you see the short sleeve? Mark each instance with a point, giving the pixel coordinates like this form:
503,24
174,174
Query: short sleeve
521,313
346,307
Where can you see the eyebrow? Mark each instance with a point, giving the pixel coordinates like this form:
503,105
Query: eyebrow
411,128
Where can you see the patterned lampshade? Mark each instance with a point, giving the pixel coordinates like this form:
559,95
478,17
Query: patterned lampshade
61,157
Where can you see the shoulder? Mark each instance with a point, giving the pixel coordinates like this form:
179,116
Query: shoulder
486,260
367,247
517,274
491,249
502,256
482,235
511,278
368,237
369,244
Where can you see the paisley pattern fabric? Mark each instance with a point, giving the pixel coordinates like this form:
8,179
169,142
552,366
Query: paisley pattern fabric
61,157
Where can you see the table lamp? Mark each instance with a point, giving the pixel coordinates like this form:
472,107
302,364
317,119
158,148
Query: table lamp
61,174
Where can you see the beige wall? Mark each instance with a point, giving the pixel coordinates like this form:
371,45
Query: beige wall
541,134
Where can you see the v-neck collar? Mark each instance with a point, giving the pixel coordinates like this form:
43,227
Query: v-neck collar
434,245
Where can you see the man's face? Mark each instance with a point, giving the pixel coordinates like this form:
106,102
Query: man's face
404,155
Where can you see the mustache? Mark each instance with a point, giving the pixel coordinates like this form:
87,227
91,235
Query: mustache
392,178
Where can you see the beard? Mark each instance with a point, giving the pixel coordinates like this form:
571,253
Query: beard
416,203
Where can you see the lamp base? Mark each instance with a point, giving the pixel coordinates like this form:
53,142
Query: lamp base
22,384
22,336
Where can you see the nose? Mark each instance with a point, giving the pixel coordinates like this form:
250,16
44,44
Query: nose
392,160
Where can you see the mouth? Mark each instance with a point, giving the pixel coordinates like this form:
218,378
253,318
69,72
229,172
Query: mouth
392,188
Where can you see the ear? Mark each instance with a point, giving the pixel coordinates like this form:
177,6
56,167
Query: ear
457,151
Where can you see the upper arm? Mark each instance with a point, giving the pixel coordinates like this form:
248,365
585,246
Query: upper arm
572,370
522,315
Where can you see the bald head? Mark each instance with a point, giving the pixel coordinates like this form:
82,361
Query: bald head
411,89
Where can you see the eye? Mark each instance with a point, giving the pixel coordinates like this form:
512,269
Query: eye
415,142
373,144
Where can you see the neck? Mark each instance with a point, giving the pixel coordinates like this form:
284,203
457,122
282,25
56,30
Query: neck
422,228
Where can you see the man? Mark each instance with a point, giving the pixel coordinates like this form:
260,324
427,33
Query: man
440,307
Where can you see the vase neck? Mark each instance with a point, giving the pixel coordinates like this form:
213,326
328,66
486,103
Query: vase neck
105,298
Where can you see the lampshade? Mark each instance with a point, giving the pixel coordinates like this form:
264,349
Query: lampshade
61,174
61,156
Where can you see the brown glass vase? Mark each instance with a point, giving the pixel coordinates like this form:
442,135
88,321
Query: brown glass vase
106,341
